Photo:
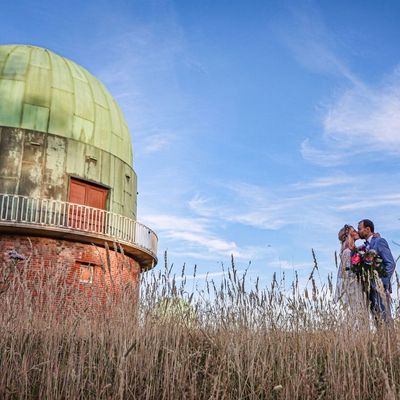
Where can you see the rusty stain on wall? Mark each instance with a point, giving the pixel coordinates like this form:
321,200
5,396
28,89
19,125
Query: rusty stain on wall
38,164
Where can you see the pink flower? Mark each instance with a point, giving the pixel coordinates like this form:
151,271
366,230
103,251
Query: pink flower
355,259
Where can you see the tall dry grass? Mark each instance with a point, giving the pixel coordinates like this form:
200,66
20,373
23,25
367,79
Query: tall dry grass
231,340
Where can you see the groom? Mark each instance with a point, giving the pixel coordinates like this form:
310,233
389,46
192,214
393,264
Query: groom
380,306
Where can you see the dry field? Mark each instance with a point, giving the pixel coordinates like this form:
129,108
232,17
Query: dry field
234,340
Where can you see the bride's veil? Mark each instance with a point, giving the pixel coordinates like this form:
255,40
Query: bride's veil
344,237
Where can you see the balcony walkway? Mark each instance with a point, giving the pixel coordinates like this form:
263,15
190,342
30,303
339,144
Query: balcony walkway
63,220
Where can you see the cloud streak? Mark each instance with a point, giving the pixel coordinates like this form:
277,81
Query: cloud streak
192,231
157,142
359,121
323,203
206,276
312,44
325,182
367,117
363,118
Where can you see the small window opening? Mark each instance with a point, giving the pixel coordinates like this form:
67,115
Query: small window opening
86,271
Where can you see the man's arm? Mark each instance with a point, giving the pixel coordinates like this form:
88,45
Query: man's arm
387,257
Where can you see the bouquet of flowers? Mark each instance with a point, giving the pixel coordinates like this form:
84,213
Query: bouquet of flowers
368,266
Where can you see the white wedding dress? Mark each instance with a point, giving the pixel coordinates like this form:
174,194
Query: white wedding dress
349,291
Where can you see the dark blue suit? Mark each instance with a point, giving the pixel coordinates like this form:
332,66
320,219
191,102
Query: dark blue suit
379,305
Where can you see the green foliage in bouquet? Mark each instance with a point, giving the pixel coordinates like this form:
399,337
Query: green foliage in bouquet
368,266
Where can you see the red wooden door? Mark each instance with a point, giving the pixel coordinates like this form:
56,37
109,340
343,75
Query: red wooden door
87,194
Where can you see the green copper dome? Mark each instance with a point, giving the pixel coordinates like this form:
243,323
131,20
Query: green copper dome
41,91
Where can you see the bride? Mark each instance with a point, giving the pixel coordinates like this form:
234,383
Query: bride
348,288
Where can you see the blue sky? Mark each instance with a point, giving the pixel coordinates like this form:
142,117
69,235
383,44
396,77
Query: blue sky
259,127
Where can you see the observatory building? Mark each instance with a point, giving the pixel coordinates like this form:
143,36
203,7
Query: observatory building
67,185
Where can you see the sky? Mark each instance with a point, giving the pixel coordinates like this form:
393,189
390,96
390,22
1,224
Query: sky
259,127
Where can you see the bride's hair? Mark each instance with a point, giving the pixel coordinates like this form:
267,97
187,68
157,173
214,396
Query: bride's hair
343,233
345,237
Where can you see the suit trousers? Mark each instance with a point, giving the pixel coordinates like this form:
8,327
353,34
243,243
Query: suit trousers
380,305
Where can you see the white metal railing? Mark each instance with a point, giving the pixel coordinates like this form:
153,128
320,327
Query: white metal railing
60,214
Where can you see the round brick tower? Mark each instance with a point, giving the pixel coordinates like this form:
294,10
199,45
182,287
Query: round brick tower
67,184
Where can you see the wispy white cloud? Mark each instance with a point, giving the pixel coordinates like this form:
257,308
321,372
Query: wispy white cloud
199,237
139,67
361,118
212,243
310,41
206,276
323,204
373,201
164,222
244,253
290,265
325,182
367,118
252,206
330,157
157,142
267,208
193,232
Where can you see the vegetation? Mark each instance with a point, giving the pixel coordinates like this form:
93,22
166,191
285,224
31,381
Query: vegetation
234,340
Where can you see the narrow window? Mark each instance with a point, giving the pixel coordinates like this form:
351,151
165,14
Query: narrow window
86,271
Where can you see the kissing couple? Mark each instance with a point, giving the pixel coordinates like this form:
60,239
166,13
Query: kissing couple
350,290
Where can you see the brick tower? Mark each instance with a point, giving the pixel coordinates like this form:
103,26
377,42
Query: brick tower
67,184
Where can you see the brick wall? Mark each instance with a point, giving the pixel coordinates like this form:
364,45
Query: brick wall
70,271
